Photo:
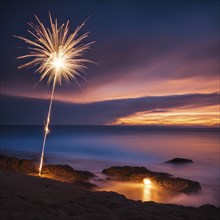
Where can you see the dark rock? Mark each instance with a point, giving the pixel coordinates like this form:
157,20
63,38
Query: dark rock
135,174
207,206
177,184
17,165
59,172
164,180
66,171
179,161
84,185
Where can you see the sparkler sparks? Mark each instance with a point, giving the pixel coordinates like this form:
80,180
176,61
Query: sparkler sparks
57,54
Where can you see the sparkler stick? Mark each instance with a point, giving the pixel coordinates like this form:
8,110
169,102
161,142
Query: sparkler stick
46,131
57,54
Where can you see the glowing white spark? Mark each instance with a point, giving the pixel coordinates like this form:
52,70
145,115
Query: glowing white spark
147,182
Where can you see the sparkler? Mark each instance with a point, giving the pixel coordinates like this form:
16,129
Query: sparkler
57,54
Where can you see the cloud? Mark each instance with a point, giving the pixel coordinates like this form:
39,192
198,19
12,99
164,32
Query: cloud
129,69
33,111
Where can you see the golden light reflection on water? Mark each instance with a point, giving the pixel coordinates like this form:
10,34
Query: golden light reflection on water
147,193
139,191
147,190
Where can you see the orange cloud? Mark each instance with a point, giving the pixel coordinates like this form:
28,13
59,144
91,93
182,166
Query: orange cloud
203,116
121,89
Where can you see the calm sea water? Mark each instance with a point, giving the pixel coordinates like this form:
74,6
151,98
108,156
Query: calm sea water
96,147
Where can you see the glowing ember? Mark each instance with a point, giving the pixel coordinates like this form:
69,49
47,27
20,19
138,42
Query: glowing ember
57,54
147,182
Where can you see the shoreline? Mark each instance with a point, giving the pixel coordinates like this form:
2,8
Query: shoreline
29,197
131,185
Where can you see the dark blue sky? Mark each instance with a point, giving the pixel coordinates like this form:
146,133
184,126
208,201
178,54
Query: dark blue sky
143,48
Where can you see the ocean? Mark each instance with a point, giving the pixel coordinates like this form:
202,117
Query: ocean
94,148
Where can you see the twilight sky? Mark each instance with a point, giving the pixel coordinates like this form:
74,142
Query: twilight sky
158,64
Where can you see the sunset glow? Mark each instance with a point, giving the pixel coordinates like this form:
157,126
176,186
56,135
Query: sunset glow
188,117
146,75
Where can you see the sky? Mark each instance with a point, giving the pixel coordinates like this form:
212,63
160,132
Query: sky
157,64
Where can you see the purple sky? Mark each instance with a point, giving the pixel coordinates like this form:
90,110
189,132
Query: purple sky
152,56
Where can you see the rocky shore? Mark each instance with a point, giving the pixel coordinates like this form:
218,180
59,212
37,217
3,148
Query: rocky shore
163,180
24,196
66,173
179,161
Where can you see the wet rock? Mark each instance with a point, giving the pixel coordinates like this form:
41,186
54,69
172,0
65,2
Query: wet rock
17,165
177,184
62,173
66,171
163,180
135,174
179,161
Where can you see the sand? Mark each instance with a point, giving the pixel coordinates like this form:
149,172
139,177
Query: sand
31,197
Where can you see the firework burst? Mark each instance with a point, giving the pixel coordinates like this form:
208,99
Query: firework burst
56,54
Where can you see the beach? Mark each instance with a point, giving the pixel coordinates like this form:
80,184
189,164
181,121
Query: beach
29,197
62,192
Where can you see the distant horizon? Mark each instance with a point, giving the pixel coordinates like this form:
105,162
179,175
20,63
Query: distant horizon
172,127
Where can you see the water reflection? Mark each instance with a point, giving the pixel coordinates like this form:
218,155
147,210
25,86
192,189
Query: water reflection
147,189
138,191
151,192
147,193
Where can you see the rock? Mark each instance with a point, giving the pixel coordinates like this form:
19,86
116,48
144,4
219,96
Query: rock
84,185
17,165
179,161
66,171
207,206
163,180
177,184
135,174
